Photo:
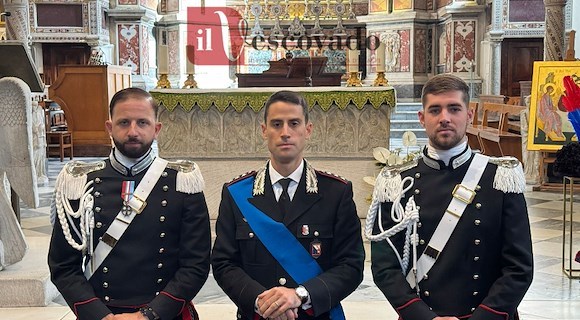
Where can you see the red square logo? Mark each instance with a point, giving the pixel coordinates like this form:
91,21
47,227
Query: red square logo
215,36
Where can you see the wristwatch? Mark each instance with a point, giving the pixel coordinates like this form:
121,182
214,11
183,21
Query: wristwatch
149,313
302,293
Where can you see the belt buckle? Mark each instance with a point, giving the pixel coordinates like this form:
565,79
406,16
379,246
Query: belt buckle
459,193
142,205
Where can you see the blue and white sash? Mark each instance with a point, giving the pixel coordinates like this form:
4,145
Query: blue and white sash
279,241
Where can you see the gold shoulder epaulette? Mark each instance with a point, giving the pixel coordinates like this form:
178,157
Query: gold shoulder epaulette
189,179
388,184
509,176
72,179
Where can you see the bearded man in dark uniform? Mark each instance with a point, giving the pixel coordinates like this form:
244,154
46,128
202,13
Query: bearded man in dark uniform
131,238
454,239
288,242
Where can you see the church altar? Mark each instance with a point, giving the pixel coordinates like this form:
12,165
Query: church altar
220,130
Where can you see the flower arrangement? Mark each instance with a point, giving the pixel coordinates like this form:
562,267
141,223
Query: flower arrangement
386,157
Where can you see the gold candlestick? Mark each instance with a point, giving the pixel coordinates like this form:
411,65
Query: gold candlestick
381,80
190,83
353,80
163,82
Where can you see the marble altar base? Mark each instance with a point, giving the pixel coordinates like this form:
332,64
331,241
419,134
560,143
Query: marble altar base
217,172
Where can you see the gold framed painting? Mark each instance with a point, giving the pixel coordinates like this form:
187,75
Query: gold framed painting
549,127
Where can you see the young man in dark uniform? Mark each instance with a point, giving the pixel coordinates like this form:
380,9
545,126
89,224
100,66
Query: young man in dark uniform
466,220
288,240
131,238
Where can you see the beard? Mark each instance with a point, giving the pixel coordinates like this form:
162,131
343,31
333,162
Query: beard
133,151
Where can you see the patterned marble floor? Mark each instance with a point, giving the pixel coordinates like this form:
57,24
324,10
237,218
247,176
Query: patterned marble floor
551,296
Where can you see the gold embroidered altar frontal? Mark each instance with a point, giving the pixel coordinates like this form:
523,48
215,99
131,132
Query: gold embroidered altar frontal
255,98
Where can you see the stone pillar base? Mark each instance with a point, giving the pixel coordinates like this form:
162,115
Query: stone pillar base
27,283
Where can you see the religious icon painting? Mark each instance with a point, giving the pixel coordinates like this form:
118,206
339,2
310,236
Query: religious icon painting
549,127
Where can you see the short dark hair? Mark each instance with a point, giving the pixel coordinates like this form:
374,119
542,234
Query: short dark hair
442,83
129,93
289,97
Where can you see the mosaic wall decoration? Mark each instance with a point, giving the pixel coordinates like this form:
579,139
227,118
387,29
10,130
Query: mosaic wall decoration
443,3
145,37
464,46
173,51
378,6
405,50
336,61
258,60
149,4
421,45
128,39
526,11
402,4
447,45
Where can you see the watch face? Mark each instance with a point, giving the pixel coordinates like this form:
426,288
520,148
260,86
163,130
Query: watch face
302,294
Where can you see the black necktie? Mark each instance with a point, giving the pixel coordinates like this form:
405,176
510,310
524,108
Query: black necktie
284,200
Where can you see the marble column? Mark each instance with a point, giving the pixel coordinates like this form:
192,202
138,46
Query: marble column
496,66
17,27
132,31
554,37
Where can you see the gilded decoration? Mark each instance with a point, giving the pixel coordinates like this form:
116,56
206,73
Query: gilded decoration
256,100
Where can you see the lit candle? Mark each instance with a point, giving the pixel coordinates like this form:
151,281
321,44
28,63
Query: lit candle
162,60
190,59
380,57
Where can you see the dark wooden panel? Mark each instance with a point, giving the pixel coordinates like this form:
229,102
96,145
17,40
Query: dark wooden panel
517,63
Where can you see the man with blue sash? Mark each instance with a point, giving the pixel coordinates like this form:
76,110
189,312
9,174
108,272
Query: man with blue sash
288,242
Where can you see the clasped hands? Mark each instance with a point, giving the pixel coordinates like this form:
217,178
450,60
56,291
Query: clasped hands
279,303
125,316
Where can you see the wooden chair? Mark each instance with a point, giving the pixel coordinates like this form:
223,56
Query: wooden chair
472,131
58,138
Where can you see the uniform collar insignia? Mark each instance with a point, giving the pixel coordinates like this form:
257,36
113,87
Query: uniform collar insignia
135,169
455,161
311,180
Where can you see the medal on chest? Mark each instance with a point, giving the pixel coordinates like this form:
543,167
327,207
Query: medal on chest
126,193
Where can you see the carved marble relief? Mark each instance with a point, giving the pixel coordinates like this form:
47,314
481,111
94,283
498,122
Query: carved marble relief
128,39
421,44
206,131
392,42
340,130
371,125
464,46
337,132
176,132
173,51
317,138
238,136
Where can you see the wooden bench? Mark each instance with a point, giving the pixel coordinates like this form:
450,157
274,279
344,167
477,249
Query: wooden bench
493,136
